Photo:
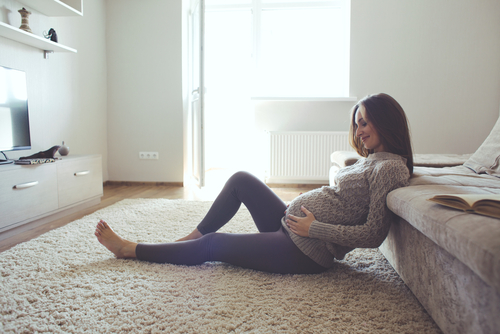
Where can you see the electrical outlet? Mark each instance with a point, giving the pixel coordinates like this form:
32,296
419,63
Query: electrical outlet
149,155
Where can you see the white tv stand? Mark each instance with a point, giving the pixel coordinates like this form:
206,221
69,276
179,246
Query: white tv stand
31,195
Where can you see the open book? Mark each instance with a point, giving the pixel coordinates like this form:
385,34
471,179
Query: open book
488,205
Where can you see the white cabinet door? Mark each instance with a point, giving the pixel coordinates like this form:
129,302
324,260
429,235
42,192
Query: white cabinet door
78,180
27,192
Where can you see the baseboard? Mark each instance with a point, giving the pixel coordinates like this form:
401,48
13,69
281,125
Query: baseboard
316,184
296,185
139,183
295,180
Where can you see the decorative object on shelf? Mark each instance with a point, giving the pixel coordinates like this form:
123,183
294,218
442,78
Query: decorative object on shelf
63,150
25,24
48,154
52,35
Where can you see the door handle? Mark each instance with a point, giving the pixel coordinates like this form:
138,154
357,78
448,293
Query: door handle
25,185
197,90
82,173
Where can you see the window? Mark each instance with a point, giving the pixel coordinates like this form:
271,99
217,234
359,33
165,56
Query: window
298,48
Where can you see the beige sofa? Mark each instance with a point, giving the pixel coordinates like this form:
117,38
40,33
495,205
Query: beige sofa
448,258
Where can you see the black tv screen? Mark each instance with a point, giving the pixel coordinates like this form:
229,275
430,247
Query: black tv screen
14,116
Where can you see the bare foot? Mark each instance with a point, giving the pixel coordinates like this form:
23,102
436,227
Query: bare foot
123,249
191,236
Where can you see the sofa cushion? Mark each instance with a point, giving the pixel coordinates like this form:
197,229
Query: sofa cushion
473,239
487,157
454,176
347,158
440,160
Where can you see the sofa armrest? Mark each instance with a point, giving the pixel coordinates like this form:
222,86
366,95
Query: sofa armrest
341,159
344,158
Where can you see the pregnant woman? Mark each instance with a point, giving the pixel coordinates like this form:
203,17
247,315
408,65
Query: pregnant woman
318,226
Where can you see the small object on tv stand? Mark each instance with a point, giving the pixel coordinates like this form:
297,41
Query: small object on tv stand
48,154
63,150
33,161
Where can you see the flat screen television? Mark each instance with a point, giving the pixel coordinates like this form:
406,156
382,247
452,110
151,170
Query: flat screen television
14,115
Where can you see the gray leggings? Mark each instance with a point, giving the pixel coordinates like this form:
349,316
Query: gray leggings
270,250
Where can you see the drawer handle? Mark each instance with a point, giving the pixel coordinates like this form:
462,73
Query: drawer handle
82,173
25,185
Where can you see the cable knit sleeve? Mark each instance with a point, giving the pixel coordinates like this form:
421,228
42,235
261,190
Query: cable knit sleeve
385,177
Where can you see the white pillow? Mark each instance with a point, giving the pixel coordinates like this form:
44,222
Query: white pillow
487,157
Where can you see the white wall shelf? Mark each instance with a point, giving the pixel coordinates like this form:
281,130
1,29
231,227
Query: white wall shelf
56,7
30,39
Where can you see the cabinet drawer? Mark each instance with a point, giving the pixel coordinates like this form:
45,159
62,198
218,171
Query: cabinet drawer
79,180
27,192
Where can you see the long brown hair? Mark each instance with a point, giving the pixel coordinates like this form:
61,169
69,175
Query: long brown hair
389,120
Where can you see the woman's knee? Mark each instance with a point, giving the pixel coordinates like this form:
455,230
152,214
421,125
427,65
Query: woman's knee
241,178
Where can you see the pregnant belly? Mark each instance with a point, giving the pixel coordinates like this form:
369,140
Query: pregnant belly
321,204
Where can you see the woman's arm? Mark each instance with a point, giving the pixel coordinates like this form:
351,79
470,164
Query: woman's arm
385,177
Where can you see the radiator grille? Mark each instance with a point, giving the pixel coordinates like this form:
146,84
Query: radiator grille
303,157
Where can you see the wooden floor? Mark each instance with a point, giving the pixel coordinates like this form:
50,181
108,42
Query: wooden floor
116,193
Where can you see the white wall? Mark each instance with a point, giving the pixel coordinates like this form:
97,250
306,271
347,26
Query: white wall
122,92
439,58
67,92
145,109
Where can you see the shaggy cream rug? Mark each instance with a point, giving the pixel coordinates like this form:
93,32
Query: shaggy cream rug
66,282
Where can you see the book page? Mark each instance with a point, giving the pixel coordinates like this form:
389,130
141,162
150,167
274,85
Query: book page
470,199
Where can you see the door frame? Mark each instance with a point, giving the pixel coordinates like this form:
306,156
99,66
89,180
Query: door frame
196,95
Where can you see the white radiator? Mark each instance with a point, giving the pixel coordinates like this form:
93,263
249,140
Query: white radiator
303,156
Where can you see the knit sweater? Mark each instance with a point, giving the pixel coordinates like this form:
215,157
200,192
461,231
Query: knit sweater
352,213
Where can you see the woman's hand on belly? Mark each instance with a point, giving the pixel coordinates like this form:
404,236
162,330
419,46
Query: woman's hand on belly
300,225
